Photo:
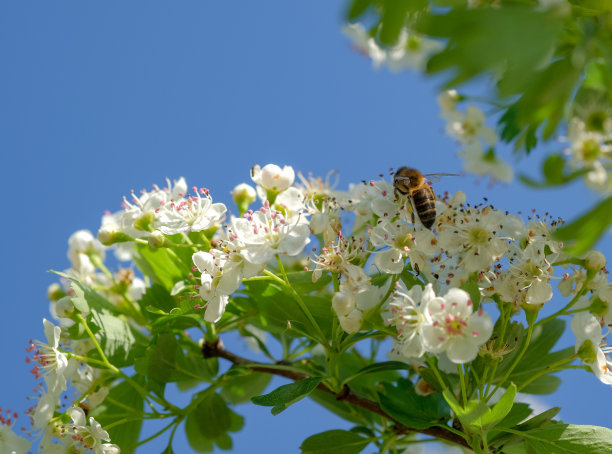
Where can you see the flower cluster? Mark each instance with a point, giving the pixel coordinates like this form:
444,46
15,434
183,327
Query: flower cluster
477,140
437,324
411,51
590,149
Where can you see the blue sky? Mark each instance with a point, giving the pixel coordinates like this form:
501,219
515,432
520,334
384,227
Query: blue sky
97,99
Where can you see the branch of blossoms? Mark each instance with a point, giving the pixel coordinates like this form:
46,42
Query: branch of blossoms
216,349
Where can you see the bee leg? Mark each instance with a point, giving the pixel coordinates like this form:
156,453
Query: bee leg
416,268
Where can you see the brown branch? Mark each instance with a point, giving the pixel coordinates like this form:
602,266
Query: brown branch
210,350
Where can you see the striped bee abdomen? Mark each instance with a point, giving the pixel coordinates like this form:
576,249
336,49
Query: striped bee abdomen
425,205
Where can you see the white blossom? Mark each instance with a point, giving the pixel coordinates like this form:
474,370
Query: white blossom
470,127
11,443
272,178
407,317
587,329
451,326
52,363
192,213
267,232
88,437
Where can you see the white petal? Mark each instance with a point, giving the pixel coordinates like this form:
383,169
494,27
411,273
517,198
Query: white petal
215,308
461,351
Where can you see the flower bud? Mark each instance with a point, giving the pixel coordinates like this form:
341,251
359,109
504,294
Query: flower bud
586,352
594,260
55,292
448,100
343,303
244,195
273,179
352,322
157,240
108,236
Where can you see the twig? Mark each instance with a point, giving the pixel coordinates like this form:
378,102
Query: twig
216,349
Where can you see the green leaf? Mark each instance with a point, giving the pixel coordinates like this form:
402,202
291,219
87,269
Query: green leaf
341,408
470,415
546,384
123,401
357,8
160,265
85,298
474,291
286,395
334,442
569,438
415,411
241,388
301,281
213,416
378,367
538,356
485,39
197,441
519,412
501,408
393,19
158,297
540,420
158,363
584,232
116,337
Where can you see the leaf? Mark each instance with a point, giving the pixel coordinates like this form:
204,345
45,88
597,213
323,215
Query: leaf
357,8
85,298
538,356
334,442
500,409
543,418
585,231
483,40
116,337
569,438
547,384
519,412
286,395
393,19
158,297
415,411
160,265
474,291
470,414
123,401
241,388
378,367
197,441
213,416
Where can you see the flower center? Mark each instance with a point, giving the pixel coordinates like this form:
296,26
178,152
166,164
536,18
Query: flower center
454,325
478,236
590,149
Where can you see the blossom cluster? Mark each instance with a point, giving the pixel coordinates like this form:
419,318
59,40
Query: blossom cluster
386,269
590,149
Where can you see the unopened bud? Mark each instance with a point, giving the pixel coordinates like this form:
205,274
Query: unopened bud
244,195
448,100
594,260
587,353
55,292
343,303
109,236
157,240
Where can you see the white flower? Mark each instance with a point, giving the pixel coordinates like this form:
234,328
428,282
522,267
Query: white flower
480,163
364,43
407,318
343,303
448,100
351,323
11,443
268,232
411,51
80,245
272,178
404,241
471,127
370,198
190,214
88,438
338,258
45,409
527,278
221,276
451,326
587,329
53,363
474,234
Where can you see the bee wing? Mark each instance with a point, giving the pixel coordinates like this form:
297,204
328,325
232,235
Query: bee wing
435,177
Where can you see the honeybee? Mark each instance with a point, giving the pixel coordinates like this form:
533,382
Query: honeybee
416,186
